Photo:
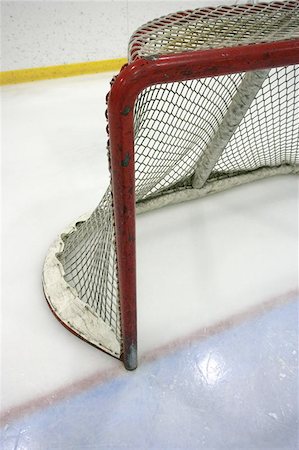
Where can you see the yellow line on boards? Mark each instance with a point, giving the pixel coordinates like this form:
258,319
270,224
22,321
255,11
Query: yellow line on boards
66,70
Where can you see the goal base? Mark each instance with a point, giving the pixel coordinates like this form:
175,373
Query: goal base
64,302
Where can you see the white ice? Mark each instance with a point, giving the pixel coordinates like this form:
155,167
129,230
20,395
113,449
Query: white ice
198,263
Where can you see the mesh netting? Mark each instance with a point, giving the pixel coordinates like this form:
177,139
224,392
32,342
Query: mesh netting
188,136
89,263
216,28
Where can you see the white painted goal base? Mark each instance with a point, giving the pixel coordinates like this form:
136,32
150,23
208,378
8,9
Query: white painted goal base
66,305
179,195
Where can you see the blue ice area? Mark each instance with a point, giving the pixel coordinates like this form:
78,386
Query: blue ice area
237,389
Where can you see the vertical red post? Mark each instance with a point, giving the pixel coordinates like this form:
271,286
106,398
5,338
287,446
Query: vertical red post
121,137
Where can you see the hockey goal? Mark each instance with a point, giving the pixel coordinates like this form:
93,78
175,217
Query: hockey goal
209,100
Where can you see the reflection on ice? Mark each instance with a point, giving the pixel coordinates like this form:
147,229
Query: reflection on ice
211,369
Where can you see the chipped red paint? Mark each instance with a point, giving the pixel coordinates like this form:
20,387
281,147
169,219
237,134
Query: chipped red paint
132,79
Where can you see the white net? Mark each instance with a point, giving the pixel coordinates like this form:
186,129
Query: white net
224,26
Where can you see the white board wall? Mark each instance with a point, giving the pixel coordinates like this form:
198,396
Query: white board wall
46,33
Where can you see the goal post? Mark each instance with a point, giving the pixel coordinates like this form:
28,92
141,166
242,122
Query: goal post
207,101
